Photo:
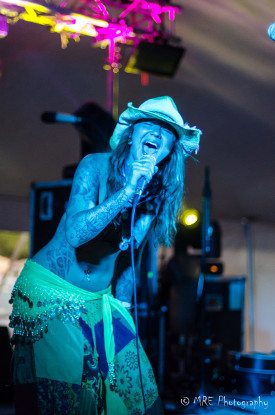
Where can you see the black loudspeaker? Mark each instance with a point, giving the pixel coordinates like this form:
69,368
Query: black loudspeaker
48,203
157,59
224,316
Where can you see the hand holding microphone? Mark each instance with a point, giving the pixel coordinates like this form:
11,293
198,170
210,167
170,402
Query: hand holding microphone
142,171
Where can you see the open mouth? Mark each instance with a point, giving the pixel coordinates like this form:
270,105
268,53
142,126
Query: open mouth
149,148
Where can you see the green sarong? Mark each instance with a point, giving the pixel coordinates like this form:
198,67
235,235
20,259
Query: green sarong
76,350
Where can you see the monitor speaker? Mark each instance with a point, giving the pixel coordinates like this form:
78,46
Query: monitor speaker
48,203
224,315
156,59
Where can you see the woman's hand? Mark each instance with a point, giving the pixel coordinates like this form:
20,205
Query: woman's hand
145,167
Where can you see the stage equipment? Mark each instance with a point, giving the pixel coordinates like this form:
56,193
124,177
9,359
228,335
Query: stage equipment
96,128
48,202
155,58
109,23
94,125
52,117
201,300
250,374
214,268
189,217
152,323
224,317
4,27
189,237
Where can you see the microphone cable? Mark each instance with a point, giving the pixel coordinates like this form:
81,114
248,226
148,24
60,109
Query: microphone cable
135,202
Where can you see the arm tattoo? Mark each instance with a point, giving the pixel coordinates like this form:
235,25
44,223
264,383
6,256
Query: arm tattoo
88,224
84,187
125,286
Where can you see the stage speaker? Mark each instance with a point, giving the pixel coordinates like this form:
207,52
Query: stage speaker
156,59
151,324
224,315
48,203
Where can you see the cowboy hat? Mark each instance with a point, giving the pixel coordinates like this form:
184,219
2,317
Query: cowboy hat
160,108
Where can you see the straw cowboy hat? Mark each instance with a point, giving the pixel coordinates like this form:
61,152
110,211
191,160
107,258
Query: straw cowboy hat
161,108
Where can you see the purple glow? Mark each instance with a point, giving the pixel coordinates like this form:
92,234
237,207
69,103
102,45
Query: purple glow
171,12
4,27
114,32
102,8
131,7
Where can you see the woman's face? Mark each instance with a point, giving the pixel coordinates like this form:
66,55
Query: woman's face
152,137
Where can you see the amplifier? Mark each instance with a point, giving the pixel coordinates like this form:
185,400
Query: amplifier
48,203
224,314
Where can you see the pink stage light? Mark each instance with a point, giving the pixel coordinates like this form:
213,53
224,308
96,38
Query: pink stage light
4,27
114,33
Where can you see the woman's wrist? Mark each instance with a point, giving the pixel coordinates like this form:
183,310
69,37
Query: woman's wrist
130,190
125,304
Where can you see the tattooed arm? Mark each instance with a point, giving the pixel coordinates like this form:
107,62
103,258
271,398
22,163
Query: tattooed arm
125,286
84,219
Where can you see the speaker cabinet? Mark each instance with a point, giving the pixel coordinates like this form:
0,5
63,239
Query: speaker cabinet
48,203
224,315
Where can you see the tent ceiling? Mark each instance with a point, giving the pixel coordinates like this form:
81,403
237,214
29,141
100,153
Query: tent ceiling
225,85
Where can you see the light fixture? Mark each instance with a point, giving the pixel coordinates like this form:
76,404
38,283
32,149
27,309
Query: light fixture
4,27
189,217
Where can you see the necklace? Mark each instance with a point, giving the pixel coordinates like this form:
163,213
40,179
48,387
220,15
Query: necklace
125,242
87,273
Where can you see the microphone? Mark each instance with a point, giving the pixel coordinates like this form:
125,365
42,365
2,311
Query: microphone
271,31
60,117
141,184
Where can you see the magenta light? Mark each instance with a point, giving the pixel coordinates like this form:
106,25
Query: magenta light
131,7
156,11
114,33
171,12
156,18
102,8
4,27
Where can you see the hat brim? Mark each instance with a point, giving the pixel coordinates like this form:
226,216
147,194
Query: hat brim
189,136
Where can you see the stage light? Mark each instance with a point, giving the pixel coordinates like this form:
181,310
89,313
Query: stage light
213,268
4,27
189,217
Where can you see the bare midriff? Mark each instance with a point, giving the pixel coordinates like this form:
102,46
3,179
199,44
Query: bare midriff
61,258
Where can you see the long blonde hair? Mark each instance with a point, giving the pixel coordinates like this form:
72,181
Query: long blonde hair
167,184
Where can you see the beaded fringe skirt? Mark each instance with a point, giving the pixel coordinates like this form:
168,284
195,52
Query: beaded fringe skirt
62,356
